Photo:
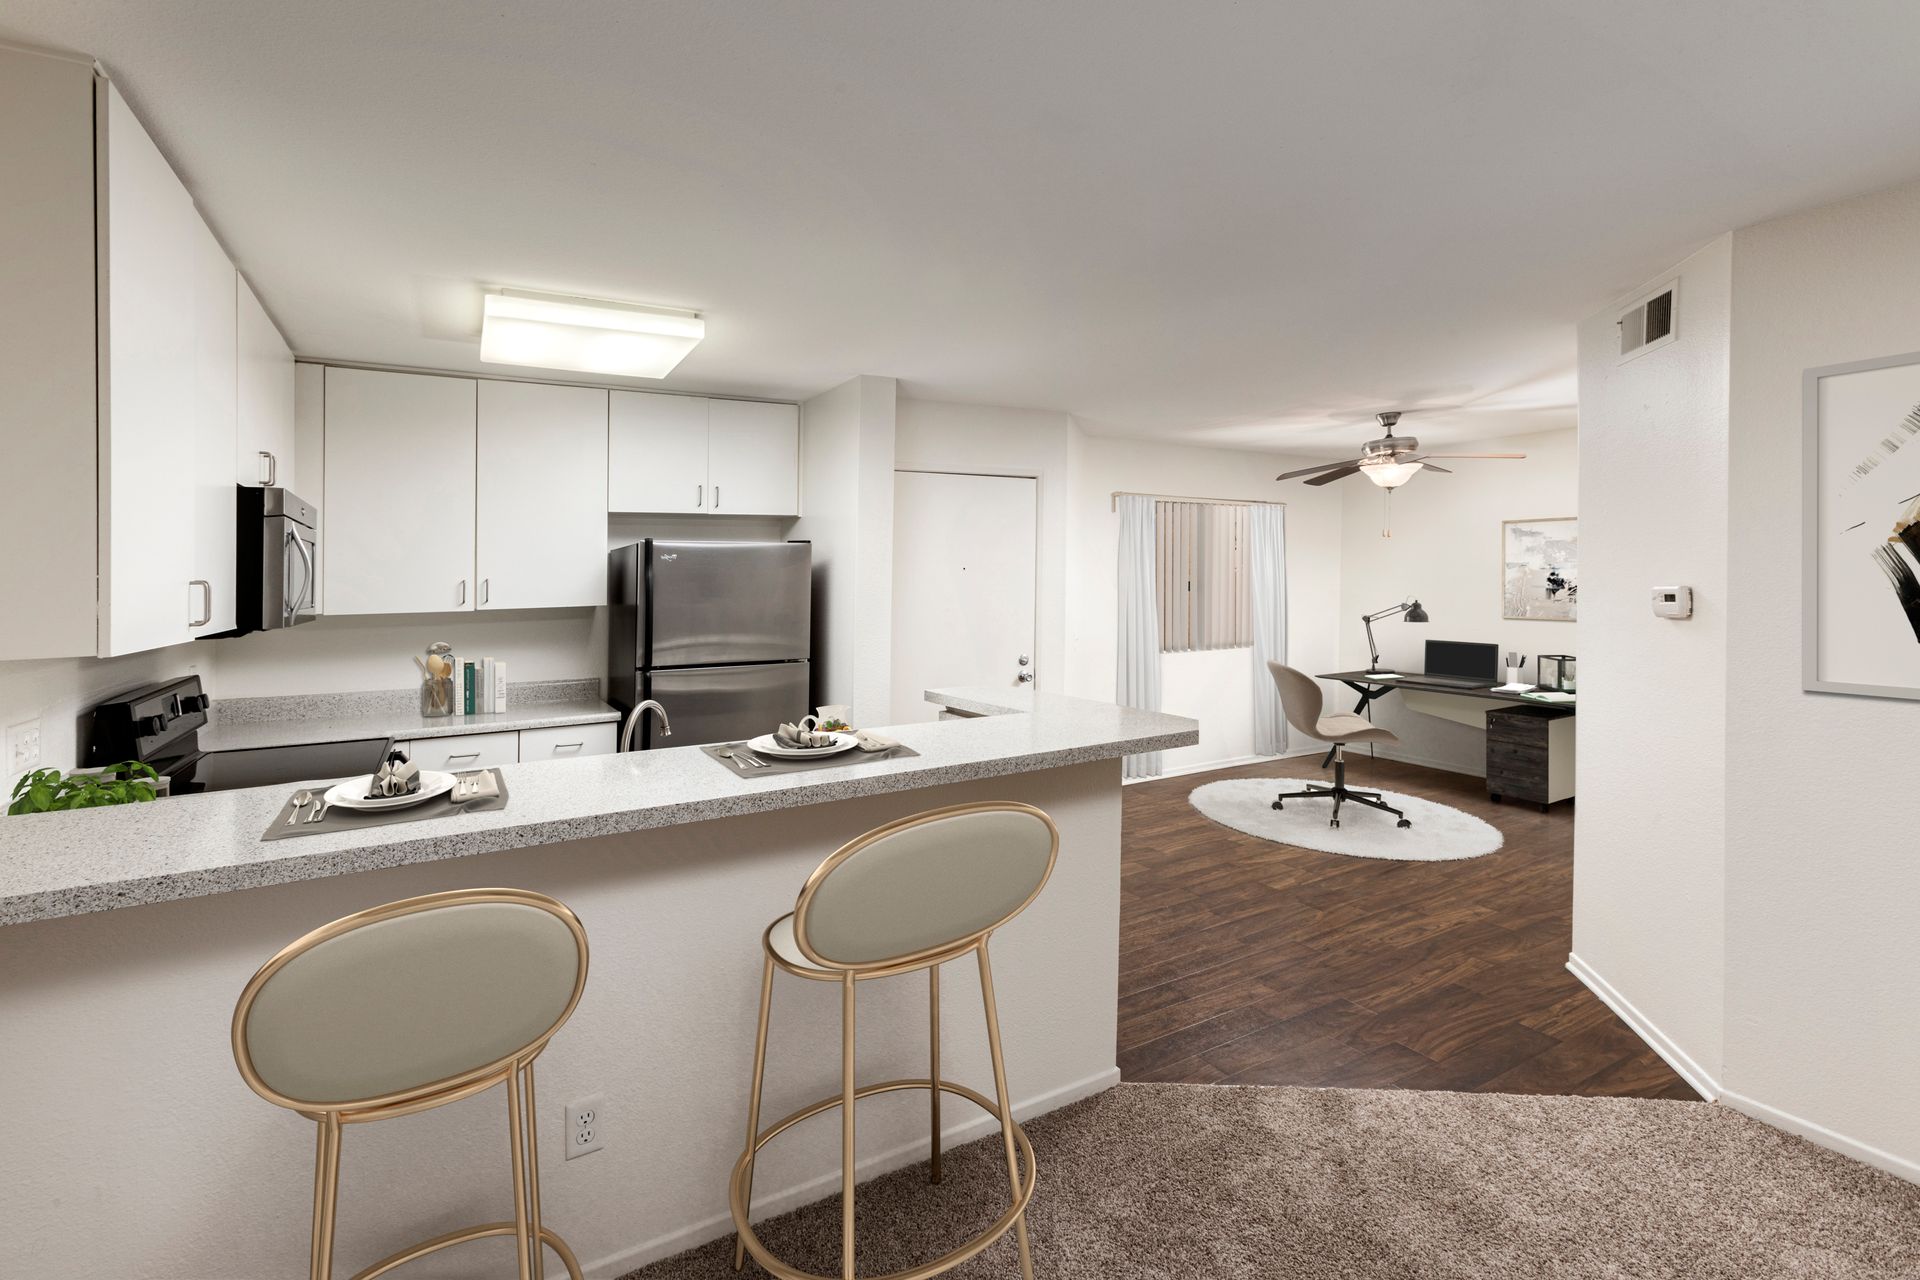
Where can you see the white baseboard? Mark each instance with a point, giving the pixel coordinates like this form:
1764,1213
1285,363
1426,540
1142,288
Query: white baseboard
1657,1040
1898,1166
1234,762
769,1203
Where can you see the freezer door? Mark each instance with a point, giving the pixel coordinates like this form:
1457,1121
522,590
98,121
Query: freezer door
712,603
726,704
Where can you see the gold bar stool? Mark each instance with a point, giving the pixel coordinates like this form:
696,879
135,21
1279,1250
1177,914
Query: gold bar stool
408,1007
904,897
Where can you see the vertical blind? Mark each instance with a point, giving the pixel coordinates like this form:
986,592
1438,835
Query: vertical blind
1202,577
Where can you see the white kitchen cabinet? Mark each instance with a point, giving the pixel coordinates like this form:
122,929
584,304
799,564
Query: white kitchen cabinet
215,426
264,447
656,452
398,535
152,248
464,751
568,742
753,458
541,501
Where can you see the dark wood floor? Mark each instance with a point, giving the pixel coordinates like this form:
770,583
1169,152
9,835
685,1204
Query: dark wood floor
1253,962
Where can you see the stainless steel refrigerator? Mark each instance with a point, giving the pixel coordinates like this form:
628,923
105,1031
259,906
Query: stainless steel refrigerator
716,632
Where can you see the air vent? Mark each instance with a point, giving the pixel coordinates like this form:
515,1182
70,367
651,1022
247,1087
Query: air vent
1648,323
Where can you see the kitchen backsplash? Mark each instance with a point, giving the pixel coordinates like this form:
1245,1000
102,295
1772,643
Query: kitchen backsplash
381,702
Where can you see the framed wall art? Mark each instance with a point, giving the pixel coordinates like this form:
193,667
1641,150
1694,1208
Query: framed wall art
1540,569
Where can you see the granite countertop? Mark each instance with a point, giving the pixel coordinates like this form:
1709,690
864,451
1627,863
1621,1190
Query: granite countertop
63,864
341,717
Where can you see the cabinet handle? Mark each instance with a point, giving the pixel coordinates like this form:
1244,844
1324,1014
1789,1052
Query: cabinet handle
207,602
568,746
464,755
699,495
486,589
716,497
463,592
269,469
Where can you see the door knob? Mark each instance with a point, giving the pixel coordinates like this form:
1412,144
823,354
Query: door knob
1024,659
1026,677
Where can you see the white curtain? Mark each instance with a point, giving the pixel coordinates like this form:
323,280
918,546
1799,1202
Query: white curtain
1267,553
1138,665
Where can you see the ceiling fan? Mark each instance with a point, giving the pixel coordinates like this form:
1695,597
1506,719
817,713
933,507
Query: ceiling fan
1385,461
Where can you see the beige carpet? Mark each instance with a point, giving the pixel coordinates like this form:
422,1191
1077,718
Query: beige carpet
1178,1181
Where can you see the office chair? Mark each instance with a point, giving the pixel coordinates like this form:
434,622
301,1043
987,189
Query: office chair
1301,700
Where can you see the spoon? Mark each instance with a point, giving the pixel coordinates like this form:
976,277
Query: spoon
300,801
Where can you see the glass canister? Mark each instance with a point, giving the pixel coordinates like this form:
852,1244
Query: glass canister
436,687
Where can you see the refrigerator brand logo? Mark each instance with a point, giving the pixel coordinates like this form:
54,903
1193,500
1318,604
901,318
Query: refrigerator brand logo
671,555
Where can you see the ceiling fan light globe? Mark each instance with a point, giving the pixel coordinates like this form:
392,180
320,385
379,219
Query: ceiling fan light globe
1389,475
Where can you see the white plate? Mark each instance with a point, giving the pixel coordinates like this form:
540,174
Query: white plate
352,794
766,745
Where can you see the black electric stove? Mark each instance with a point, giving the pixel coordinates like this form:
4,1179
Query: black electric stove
159,725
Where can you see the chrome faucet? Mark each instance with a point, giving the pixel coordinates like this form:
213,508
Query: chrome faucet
633,722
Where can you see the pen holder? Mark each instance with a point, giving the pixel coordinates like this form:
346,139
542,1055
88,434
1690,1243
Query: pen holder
1516,675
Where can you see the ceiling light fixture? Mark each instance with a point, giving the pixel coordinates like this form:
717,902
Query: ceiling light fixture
1390,475
552,331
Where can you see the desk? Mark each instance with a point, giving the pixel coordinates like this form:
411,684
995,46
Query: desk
1529,742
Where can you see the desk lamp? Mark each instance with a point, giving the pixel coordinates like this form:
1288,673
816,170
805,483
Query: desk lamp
1409,607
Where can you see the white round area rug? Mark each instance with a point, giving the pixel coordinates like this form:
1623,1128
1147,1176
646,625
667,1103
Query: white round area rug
1440,833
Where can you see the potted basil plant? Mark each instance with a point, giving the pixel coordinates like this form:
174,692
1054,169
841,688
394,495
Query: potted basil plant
50,791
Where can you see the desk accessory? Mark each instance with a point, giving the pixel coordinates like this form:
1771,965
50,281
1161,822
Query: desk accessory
1414,614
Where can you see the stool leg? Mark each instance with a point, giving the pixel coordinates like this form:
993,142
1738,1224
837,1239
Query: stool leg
517,1142
1006,1105
326,1196
536,1247
933,1066
753,1097
846,1128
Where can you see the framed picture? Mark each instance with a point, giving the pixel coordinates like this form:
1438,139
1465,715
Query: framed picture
1861,556
1540,569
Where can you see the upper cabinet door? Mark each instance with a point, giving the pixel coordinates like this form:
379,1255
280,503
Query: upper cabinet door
541,521
214,428
264,453
151,248
398,527
657,452
753,459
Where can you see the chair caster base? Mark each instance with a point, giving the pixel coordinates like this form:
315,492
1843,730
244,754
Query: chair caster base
1404,822
1278,805
1334,823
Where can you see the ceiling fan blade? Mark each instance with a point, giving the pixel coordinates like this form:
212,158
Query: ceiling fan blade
1445,471
1307,471
1473,455
1345,469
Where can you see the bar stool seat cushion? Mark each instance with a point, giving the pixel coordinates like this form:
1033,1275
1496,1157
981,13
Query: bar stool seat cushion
403,1003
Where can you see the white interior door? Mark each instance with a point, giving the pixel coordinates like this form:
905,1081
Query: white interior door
964,551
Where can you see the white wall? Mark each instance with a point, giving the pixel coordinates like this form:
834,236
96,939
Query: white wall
846,493
1446,550
1649,830
1215,688
1823,882
60,692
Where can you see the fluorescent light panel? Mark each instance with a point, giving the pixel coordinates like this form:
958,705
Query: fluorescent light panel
551,331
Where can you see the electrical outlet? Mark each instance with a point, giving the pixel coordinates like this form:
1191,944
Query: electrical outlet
23,746
586,1125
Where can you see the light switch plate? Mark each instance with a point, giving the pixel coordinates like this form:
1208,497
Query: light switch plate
23,746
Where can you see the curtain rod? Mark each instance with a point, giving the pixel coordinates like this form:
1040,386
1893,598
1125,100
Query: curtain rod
1114,502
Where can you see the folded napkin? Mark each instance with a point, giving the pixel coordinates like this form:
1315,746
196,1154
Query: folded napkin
398,776
867,740
792,735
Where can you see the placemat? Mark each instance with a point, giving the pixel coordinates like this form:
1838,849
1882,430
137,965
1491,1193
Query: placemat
775,765
341,818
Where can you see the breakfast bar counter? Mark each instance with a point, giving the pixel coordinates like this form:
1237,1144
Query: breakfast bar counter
130,932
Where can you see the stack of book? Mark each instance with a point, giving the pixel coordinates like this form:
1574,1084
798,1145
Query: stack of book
479,686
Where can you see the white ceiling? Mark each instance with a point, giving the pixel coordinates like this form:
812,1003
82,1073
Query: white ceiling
1231,223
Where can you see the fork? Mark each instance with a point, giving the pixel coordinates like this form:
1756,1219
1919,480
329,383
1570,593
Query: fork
744,757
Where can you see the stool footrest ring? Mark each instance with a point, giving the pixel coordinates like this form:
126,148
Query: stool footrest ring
451,1238
946,1261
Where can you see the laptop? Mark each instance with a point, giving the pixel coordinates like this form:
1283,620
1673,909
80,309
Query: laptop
1462,664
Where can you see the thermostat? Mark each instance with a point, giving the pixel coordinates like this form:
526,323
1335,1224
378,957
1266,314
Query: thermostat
1673,602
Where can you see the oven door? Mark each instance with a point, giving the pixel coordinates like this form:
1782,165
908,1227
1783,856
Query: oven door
290,573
